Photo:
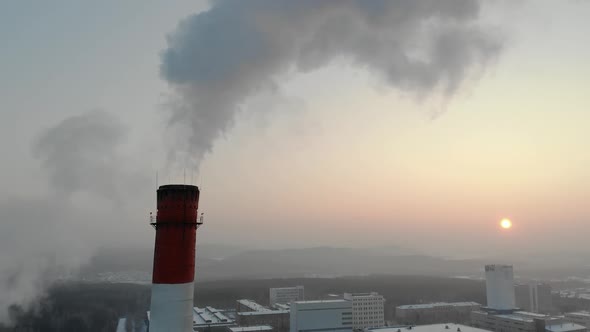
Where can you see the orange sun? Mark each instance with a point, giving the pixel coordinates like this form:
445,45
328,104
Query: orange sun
506,223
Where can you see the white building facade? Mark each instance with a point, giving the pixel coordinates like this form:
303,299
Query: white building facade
321,316
286,295
500,287
367,309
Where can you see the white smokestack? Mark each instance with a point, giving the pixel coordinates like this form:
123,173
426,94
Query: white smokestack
500,287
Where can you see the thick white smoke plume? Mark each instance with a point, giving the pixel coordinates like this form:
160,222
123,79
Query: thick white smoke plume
86,204
216,59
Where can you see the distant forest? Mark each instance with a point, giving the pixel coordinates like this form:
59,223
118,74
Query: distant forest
96,307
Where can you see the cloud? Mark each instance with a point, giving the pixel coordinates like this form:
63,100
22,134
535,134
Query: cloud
80,155
91,198
217,59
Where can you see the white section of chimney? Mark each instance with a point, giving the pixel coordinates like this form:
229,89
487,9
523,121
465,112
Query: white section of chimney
171,308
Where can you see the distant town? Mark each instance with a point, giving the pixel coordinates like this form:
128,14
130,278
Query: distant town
510,307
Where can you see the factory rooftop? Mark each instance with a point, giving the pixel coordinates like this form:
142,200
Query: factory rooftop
252,305
531,314
263,312
429,328
363,294
438,304
250,328
564,327
552,323
209,316
525,316
321,301
582,314
516,317
282,306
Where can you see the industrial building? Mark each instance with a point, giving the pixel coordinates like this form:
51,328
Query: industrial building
208,318
507,322
281,306
432,313
534,297
260,328
245,305
285,295
427,328
326,315
521,321
367,309
565,327
500,314
278,319
500,287
579,317
250,313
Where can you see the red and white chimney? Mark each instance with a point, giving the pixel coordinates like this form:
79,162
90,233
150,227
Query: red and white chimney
173,277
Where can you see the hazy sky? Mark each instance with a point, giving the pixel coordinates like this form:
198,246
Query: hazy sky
330,156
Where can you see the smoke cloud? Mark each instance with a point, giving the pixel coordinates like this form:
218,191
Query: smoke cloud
43,237
80,155
216,59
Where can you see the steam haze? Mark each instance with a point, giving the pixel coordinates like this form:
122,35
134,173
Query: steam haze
52,234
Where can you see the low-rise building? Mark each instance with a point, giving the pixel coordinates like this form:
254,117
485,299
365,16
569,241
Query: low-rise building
319,316
250,313
431,313
450,327
245,305
259,328
516,321
522,321
278,319
208,319
367,309
286,295
281,306
579,317
565,327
